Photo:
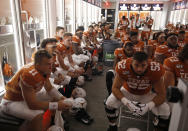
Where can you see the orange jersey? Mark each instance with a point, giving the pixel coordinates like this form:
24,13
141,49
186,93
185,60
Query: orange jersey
59,39
139,85
66,50
165,50
120,53
139,46
125,38
182,43
179,68
90,36
119,34
153,43
76,39
29,77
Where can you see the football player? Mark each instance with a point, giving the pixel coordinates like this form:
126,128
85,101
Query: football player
176,67
132,87
120,53
21,100
171,48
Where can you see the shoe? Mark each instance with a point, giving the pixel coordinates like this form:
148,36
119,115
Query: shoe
94,71
66,126
161,124
83,117
113,128
87,78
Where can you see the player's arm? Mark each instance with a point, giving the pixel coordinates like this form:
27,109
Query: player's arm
169,79
128,22
71,60
29,95
116,60
160,92
53,92
61,61
117,84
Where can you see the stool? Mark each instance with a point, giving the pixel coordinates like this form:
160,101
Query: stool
133,117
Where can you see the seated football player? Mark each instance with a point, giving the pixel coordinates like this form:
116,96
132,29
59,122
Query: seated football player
59,33
95,49
135,77
96,30
138,44
67,88
160,40
176,67
65,57
171,48
181,38
120,53
21,99
119,32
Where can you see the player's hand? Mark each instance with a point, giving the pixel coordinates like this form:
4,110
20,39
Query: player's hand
133,107
63,106
63,98
144,108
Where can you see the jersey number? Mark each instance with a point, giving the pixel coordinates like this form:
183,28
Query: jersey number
155,66
122,65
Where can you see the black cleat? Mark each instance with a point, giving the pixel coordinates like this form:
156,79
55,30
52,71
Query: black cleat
87,78
83,116
113,128
161,124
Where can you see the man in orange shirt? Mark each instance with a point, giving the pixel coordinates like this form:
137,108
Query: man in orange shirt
132,87
138,45
181,38
170,49
176,67
89,37
21,100
59,33
120,54
160,40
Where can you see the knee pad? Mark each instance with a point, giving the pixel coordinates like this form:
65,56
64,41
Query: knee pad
112,113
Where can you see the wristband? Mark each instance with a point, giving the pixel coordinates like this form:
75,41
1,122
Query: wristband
71,69
124,101
53,105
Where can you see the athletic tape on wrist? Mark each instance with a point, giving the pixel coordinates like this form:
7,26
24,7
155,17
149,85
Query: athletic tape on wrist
53,105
